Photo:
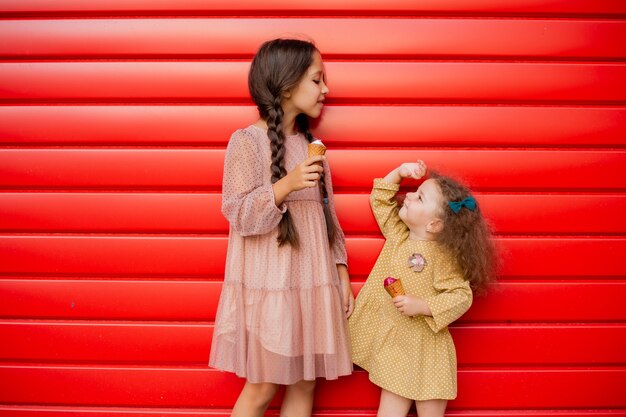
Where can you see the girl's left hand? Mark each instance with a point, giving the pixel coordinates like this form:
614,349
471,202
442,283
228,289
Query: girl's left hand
347,296
410,305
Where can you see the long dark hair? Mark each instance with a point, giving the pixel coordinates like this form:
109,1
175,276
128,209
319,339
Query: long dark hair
466,235
278,66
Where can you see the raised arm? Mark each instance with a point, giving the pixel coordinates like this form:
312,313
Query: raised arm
382,199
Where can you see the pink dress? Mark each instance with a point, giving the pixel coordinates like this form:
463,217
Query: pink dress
280,317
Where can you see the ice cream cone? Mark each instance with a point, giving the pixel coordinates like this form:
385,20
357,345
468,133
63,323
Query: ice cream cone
317,148
394,287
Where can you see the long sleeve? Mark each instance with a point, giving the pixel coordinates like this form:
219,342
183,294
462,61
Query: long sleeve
453,298
247,195
385,209
339,245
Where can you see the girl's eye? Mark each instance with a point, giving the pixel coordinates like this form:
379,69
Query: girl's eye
316,81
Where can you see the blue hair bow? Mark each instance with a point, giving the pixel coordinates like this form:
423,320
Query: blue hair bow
468,202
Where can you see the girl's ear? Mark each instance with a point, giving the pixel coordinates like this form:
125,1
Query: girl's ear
286,94
435,226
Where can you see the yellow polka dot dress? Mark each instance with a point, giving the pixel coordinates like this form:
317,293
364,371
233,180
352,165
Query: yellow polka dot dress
413,357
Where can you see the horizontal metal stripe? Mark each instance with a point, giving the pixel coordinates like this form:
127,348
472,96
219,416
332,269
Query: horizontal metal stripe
200,387
336,38
502,170
341,126
191,300
404,82
69,411
35,212
310,6
189,344
201,256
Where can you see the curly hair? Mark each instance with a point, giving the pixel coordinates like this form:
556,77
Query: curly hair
466,235
278,66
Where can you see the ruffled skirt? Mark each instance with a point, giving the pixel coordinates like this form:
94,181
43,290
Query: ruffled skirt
280,318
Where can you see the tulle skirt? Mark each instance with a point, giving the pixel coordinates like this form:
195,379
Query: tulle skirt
280,317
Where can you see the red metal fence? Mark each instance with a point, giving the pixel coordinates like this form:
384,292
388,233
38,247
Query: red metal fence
114,117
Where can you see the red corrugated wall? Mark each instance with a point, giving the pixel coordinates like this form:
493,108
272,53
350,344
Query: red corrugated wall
114,117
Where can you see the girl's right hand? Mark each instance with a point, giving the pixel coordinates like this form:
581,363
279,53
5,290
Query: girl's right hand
306,174
415,170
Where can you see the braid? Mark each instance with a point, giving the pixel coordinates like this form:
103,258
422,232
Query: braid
277,138
278,66
287,232
303,126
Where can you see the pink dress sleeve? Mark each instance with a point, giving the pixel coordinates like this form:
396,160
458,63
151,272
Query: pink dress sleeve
339,245
247,194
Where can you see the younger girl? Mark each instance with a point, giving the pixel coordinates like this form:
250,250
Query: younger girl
438,245
282,313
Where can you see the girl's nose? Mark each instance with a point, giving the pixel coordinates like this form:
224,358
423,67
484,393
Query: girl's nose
325,89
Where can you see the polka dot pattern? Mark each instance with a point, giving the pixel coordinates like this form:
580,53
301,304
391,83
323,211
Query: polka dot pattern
280,317
413,357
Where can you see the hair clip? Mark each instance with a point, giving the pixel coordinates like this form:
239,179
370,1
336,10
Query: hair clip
325,200
467,202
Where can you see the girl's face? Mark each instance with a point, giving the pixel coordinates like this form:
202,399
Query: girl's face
308,95
421,209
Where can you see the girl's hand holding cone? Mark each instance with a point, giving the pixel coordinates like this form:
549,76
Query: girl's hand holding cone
410,305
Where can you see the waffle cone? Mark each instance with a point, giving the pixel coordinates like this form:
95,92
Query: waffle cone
316,149
395,289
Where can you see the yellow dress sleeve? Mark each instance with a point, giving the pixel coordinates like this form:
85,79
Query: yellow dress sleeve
385,209
453,297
